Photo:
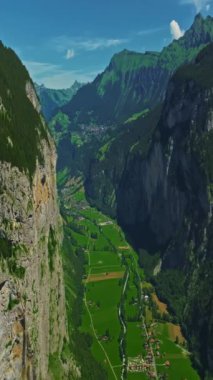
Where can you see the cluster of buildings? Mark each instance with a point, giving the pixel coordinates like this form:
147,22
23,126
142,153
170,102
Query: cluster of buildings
145,363
140,364
93,129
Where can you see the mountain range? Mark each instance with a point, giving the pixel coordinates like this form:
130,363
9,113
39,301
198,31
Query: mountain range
134,82
141,135
137,145
52,99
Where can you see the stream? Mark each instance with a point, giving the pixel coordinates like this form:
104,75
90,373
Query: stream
124,330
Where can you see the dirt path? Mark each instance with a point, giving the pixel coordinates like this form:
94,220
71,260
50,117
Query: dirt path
104,276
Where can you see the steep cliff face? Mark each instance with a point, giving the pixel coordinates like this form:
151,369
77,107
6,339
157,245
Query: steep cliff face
32,281
109,165
172,193
162,195
32,304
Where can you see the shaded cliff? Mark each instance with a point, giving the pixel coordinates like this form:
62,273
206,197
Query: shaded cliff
160,190
32,304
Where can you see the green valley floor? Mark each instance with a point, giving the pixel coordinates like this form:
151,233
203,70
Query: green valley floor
130,332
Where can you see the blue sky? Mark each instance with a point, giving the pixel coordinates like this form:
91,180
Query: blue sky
65,40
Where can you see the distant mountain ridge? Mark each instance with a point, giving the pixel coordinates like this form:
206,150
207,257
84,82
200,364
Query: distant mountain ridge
134,81
52,99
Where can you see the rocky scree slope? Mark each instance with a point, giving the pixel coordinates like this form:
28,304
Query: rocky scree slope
161,191
32,305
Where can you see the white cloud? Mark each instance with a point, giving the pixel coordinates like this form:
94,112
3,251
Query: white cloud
199,4
63,43
100,43
37,69
70,54
146,32
175,30
54,76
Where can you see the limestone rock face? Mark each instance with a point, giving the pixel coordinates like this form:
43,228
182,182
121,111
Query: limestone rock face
33,326
32,96
32,306
32,301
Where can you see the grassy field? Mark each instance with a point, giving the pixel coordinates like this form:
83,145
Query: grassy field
104,262
107,254
135,341
180,365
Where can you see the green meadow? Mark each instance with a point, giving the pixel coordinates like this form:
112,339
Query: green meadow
181,367
106,252
105,262
135,340
105,315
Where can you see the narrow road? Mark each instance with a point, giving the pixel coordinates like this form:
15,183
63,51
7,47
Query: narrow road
143,322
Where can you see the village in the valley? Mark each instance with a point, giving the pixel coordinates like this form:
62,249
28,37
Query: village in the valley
147,363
